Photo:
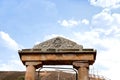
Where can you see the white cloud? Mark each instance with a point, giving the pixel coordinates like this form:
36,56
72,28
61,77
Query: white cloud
69,23
106,21
85,21
106,3
102,19
73,23
12,65
7,41
110,58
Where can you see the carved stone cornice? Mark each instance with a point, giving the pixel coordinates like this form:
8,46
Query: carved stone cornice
58,43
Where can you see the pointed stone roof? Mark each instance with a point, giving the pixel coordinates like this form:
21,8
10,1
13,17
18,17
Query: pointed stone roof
58,43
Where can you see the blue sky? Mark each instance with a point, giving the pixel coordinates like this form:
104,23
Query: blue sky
91,23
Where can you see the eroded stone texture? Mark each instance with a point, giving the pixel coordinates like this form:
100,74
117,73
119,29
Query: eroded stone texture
83,69
30,72
58,43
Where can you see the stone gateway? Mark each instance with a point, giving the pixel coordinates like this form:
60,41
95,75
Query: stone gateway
58,51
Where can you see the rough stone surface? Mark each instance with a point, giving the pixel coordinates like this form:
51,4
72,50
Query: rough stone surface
58,43
30,72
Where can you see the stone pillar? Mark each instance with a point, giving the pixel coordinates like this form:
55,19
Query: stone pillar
30,70
83,69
